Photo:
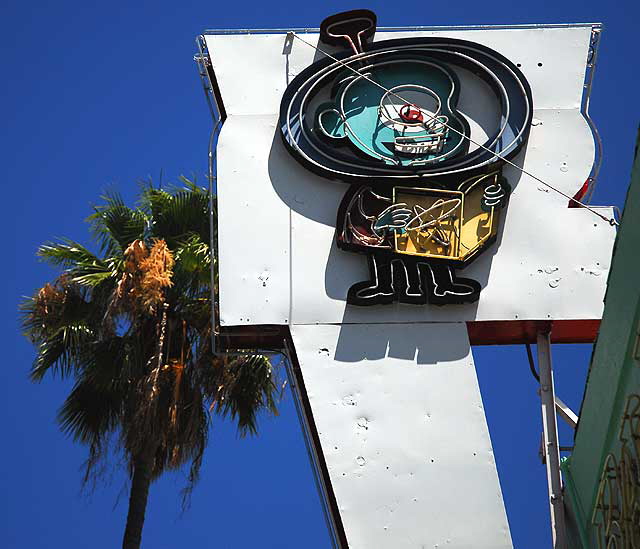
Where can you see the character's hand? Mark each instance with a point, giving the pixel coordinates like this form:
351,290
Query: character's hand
496,195
393,218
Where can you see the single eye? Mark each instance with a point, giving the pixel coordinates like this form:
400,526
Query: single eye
410,113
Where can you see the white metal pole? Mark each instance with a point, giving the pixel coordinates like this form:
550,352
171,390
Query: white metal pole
551,447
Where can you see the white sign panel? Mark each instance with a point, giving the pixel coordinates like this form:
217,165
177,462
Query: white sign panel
278,259
340,216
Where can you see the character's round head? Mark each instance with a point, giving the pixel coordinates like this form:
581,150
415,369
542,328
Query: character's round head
405,110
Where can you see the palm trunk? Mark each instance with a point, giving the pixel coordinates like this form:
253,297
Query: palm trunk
137,503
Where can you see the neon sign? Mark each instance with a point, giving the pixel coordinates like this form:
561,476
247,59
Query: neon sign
419,129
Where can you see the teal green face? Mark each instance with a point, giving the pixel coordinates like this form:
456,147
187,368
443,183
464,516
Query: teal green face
411,122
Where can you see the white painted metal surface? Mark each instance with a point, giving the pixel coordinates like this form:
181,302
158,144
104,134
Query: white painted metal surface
254,226
278,260
393,388
258,58
402,426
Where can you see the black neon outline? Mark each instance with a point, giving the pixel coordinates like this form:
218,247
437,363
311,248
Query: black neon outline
346,15
420,175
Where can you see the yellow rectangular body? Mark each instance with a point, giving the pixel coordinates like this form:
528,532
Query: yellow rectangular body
447,225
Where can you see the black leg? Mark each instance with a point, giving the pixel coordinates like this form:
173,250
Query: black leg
407,282
379,289
445,287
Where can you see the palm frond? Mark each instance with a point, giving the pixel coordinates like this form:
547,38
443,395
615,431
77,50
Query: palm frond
179,214
59,351
192,273
249,387
193,255
91,411
58,320
80,265
92,278
114,225
67,253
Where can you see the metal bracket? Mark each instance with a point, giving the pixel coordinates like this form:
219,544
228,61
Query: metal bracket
203,62
566,413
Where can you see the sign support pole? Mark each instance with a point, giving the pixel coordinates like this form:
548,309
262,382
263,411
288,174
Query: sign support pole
383,406
551,447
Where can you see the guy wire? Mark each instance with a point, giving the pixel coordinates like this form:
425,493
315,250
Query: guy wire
612,221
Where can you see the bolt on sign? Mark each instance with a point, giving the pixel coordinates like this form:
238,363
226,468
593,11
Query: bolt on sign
386,199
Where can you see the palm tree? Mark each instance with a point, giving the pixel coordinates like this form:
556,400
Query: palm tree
132,327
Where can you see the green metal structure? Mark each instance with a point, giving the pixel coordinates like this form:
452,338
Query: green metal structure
602,477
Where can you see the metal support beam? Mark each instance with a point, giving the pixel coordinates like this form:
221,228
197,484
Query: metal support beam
551,447
566,413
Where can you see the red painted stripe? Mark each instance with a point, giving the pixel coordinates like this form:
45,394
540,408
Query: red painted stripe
510,332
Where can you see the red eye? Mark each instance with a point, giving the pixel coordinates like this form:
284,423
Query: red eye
410,113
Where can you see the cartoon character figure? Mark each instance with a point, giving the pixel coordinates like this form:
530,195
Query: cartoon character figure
424,195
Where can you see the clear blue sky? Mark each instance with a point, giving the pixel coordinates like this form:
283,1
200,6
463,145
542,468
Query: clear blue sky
98,95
